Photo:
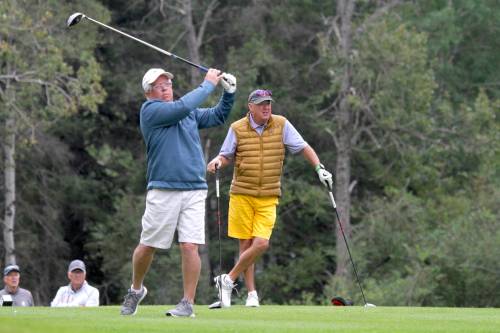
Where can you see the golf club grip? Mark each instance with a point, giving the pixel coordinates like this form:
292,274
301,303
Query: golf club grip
332,199
217,193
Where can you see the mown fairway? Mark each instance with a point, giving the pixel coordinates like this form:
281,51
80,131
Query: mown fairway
264,319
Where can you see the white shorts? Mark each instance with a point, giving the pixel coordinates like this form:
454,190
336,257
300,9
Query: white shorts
167,211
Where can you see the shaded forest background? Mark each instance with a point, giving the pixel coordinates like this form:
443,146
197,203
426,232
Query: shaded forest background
401,100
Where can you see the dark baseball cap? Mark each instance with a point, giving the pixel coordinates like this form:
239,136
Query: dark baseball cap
260,95
11,268
76,264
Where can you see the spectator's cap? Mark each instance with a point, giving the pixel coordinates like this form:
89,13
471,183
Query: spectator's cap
151,76
11,268
76,264
260,95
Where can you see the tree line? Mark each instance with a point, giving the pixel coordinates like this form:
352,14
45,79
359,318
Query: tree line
400,99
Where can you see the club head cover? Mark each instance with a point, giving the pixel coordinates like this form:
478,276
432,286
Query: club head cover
339,301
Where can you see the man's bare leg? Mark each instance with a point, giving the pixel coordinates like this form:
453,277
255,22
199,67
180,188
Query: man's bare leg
249,273
249,256
191,267
141,261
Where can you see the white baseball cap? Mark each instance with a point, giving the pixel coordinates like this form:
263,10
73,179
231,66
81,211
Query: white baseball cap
11,268
76,264
153,74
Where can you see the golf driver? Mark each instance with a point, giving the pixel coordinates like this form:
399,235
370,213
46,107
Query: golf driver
218,304
367,305
77,17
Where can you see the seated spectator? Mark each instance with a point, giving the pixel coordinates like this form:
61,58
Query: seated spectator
11,279
78,292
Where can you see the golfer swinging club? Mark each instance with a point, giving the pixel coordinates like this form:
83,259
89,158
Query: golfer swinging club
176,183
256,144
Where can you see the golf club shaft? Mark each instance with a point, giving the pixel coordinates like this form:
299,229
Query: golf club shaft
346,244
219,227
200,67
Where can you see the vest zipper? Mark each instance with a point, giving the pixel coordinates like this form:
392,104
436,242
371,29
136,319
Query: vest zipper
261,160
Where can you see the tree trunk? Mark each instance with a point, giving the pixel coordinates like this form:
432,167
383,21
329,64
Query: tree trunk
193,43
344,132
10,189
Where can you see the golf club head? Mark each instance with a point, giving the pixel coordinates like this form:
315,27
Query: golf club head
215,305
370,305
74,19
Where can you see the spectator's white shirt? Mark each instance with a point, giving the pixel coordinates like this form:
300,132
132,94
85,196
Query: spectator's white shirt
85,296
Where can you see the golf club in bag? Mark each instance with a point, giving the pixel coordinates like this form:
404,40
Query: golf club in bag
348,250
75,18
218,304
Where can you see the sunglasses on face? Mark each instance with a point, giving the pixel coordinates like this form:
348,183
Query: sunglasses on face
162,85
264,103
262,93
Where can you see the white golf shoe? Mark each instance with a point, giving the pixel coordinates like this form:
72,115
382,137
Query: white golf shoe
224,286
252,299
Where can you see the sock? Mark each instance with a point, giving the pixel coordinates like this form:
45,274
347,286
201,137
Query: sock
253,293
228,280
137,291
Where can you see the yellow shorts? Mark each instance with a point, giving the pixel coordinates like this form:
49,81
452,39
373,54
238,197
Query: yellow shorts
251,216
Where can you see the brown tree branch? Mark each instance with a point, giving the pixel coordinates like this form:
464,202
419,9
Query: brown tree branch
380,11
206,18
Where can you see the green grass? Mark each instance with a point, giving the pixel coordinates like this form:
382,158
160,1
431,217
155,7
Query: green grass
241,319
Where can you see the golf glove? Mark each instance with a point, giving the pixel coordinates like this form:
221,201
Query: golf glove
324,176
228,82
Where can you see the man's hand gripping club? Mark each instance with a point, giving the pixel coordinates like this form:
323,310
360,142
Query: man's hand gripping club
324,176
216,164
228,82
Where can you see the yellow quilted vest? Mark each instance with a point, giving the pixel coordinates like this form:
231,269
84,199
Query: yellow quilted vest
258,160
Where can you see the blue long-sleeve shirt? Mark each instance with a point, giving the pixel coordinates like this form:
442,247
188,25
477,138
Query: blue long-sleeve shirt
170,131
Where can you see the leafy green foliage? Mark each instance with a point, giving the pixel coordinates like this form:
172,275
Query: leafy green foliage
425,168
45,79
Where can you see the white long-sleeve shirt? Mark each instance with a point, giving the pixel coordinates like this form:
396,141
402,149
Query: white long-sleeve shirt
85,296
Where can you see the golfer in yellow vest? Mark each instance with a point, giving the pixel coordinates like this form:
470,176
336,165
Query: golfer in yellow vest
256,145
